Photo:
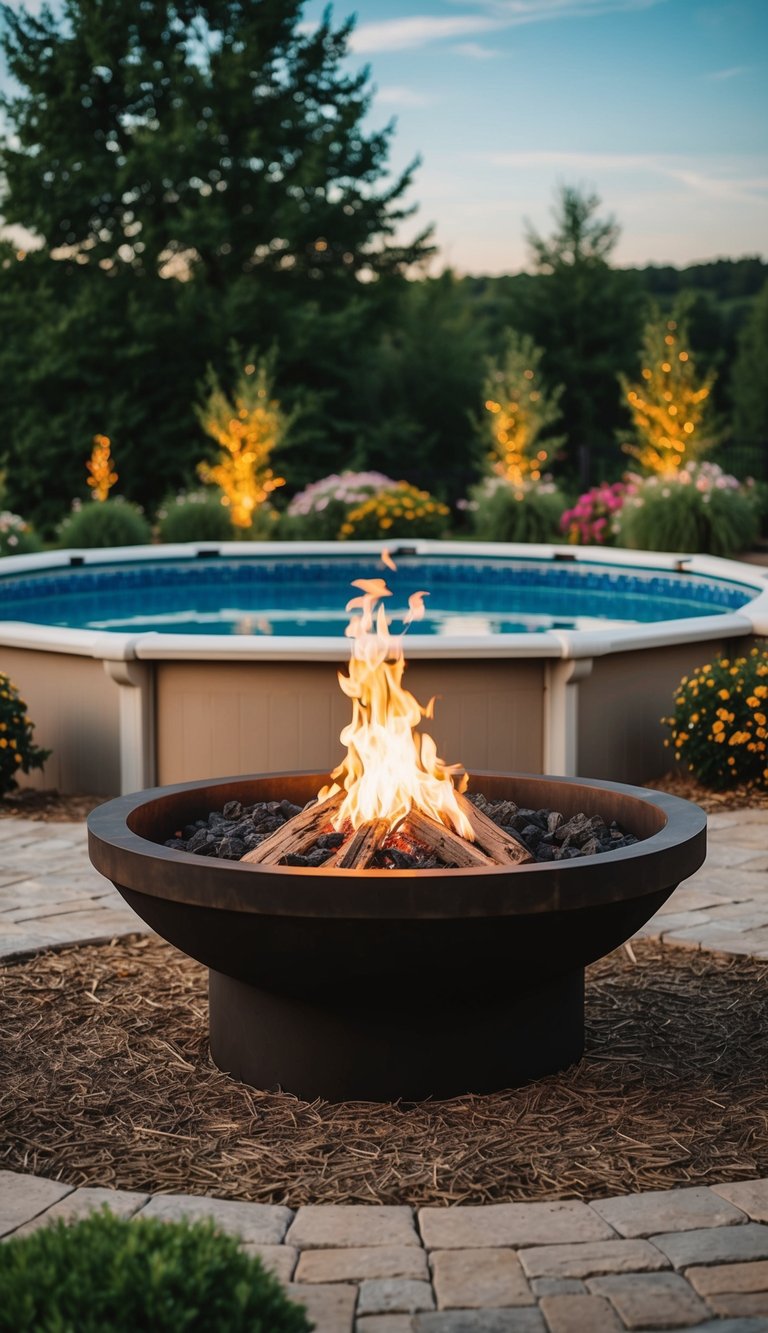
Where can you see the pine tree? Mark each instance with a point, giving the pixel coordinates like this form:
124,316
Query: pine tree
587,315
750,377
669,405
519,411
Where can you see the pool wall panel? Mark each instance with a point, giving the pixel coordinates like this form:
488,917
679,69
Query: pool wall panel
222,718
75,710
622,701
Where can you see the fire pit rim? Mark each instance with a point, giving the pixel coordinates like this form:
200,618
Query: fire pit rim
120,854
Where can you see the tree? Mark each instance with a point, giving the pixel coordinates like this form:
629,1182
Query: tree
197,136
520,409
587,317
669,404
247,428
750,376
416,395
193,171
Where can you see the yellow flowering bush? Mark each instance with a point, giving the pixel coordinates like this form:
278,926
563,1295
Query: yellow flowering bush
18,752
401,511
719,729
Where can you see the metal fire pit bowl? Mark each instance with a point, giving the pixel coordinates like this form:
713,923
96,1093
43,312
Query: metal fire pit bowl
376,985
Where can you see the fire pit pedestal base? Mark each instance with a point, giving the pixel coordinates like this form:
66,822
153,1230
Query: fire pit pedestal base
403,1047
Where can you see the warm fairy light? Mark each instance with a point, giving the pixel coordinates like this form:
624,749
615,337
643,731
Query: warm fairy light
668,408
102,475
389,768
247,428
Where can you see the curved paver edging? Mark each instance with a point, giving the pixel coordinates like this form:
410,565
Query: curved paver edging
694,1258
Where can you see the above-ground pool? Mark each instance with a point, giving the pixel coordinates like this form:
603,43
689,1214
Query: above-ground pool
164,664
301,596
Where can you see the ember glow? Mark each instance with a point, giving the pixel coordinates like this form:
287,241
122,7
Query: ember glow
390,768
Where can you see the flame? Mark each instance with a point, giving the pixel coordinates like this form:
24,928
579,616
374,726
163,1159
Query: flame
389,768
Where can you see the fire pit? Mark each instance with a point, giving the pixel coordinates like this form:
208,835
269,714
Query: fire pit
348,981
375,985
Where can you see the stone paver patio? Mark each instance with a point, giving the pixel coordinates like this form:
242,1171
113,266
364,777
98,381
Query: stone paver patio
693,1258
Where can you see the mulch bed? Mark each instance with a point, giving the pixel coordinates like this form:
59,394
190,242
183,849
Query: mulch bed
49,806
736,798
107,1080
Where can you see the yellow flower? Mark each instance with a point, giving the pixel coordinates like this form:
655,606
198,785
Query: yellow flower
717,727
723,694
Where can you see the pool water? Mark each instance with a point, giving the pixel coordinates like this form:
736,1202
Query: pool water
305,596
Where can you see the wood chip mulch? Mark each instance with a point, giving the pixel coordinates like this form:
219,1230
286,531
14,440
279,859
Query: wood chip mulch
107,1081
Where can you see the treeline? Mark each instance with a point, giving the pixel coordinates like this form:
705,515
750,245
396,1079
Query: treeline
198,179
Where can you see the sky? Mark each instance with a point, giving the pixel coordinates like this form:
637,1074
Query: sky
660,106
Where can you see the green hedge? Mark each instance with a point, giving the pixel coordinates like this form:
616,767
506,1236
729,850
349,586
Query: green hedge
108,1275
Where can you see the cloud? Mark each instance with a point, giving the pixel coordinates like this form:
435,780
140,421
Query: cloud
732,73
415,30
475,51
395,94
708,181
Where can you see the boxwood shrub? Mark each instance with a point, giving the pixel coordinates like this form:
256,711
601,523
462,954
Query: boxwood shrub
108,1275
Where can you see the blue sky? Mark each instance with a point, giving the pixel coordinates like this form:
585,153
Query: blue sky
659,105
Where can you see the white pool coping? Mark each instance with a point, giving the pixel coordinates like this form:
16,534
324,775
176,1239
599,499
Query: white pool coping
573,644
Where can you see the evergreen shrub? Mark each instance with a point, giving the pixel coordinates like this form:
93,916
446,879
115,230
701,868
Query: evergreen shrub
18,752
719,728
528,512
195,516
109,1275
107,523
701,509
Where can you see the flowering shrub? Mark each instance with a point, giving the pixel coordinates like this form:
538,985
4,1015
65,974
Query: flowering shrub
401,511
528,512
18,753
700,509
317,512
719,728
195,516
16,536
590,520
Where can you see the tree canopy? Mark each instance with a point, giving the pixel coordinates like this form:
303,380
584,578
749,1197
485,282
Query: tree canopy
197,137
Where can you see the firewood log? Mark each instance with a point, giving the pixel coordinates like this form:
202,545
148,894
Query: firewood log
441,839
297,836
362,846
502,847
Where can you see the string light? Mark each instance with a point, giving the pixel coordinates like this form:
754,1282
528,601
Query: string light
669,410
246,429
100,466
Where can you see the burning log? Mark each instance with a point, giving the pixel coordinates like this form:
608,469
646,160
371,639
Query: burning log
297,836
447,844
362,846
502,847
